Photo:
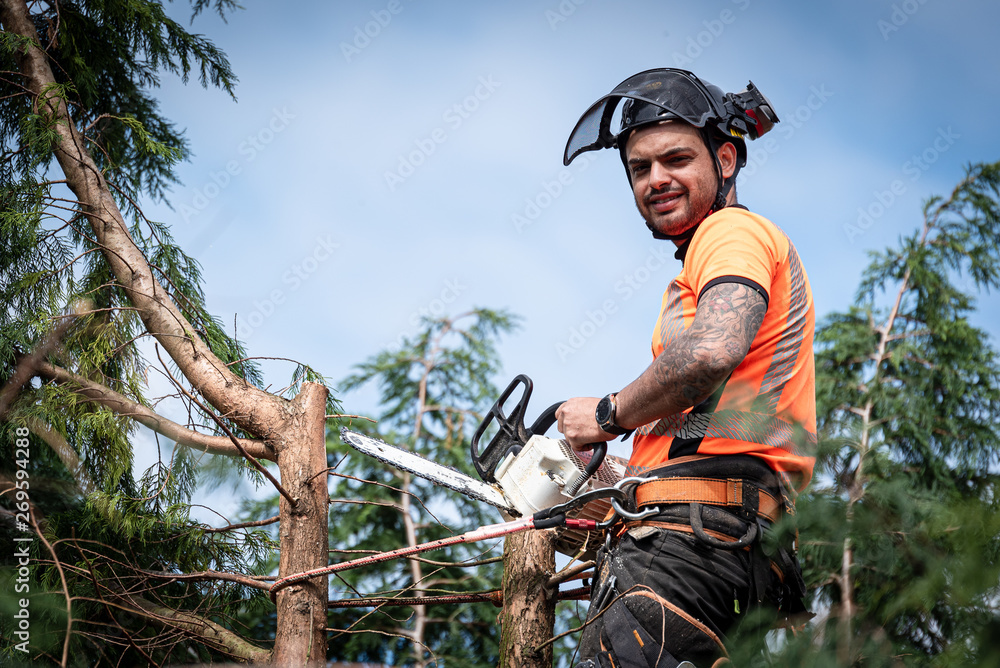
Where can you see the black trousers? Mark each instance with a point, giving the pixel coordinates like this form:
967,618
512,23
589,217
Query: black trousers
683,597
664,595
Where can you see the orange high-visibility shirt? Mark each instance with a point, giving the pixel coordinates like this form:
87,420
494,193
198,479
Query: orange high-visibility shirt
767,406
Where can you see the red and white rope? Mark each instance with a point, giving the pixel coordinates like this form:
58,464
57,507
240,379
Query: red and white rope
482,533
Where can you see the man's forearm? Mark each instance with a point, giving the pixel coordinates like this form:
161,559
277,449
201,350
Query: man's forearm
685,373
699,360
679,378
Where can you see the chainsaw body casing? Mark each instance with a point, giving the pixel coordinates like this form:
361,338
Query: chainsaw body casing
536,478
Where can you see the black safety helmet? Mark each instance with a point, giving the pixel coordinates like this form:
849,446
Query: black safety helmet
666,94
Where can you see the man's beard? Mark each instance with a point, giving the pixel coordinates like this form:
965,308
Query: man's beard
678,229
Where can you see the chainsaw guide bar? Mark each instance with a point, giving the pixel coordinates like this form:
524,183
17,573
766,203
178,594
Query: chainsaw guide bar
439,474
523,473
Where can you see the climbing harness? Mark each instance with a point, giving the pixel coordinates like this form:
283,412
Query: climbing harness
693,515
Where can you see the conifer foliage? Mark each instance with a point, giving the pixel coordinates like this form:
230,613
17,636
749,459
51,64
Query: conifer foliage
96,298
901,529
434,388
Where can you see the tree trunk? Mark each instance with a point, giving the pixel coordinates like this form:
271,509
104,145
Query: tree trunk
419,614
250,407
529,607
300,638
296,429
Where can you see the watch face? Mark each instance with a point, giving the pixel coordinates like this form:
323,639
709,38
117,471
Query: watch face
603,413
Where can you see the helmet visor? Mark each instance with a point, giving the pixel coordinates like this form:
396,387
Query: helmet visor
677,92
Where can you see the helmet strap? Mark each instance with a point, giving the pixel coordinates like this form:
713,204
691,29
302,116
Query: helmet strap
683,236
723,185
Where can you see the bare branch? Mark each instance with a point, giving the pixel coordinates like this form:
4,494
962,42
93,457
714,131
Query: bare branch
569,573
340,416
26,367
495,597
208,631
389,487
255,581
122,405
62,578
232,437
242,525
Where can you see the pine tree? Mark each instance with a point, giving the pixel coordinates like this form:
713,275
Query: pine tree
95,297
901,528
433,390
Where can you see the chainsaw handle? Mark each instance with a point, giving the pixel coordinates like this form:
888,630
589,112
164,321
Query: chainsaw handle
548,418
511,432
545,420
512,435
599,449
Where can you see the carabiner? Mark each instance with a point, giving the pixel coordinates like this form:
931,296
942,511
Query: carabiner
580,501
627,514
630,480
639,515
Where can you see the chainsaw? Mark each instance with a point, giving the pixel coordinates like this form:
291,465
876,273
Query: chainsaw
522,471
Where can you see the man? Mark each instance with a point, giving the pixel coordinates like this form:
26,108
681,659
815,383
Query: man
725,414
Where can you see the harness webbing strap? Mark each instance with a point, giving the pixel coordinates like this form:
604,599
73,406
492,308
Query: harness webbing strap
674,526
731,492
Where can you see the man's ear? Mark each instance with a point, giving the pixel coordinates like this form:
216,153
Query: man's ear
727,159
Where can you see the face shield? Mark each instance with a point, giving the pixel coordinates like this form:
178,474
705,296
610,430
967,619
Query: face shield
670,94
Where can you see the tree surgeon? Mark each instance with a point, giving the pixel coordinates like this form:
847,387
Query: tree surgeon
725,416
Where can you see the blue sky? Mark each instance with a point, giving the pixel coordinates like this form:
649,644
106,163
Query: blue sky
389,158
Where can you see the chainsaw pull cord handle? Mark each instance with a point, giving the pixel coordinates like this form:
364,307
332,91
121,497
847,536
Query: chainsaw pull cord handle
600,451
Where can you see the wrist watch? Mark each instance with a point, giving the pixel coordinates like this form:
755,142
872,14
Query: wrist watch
605,415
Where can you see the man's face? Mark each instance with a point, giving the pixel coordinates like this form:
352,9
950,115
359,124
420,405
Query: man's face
673,175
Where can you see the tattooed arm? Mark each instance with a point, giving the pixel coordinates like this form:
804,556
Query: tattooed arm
686,373
701,358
